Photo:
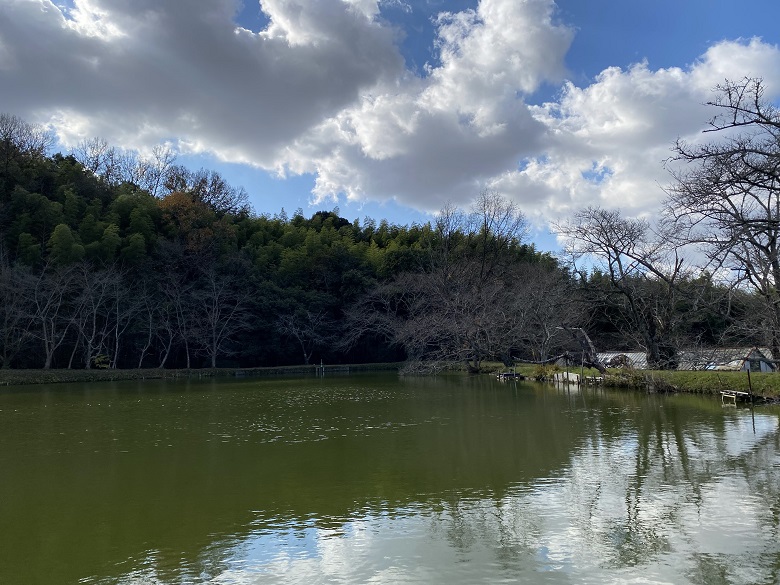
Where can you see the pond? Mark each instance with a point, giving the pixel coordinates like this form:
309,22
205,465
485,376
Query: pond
383,479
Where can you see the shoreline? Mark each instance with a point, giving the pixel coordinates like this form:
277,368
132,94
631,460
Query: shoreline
764,387
64,376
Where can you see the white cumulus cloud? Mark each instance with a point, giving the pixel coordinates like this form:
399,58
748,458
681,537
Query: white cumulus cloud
606,143
427,140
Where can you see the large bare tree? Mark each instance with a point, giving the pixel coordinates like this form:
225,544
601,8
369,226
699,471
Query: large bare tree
472,299
221,304
310,329
54,303
93,310
19,139
726,195
208,187
644,269
493,226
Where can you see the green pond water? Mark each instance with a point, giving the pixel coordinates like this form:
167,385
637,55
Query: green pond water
381,479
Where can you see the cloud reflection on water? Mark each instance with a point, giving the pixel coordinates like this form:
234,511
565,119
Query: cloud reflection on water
652,509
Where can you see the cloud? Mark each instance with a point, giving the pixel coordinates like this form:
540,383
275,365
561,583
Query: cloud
144,71
607,142
322,89
423,141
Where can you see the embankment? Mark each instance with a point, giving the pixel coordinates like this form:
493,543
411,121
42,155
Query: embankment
54,376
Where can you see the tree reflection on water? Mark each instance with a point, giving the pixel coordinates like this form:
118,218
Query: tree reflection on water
378,480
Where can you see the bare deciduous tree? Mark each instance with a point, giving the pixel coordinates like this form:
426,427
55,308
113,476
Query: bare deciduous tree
179,316
222,307
115,165
154,169
644,268
727,195
469,302
146,324
550,300
21,139
310,329
207,187
495,223
28,139
126,305
53,306
93,309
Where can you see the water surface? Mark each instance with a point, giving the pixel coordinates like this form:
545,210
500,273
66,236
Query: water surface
380,479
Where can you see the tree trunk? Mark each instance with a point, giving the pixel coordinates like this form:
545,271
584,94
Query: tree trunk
148,343
165,355
473,368
73,354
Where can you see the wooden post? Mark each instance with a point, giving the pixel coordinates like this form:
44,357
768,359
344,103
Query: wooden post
750,385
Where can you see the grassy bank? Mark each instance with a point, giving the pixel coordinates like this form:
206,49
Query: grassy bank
713,382
766,385
20,377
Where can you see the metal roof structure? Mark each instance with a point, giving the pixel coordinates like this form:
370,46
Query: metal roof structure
732,358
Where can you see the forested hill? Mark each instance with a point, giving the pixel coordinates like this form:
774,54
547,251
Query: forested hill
108,260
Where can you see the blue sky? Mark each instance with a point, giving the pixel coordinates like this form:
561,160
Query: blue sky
390,108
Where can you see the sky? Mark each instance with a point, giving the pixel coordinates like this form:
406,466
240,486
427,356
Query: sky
393,108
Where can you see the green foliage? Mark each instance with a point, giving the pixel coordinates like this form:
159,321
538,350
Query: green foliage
544,371
73,208
109,242
625,378
90,229
28,250
101,361
141,223
63,247
134,250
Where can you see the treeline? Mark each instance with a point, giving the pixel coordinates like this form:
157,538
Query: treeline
109,259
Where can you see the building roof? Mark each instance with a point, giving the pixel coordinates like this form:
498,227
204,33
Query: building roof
729,358
732,358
